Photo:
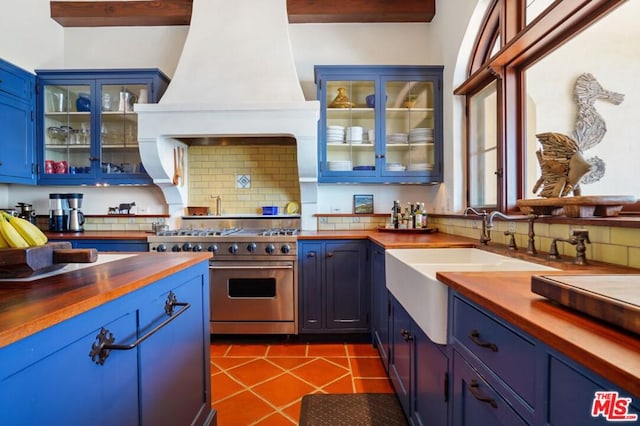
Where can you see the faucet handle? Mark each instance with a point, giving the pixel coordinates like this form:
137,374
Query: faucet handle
581,234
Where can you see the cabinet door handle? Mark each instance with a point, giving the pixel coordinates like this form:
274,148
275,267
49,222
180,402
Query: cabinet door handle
311,254
330,254
475,337
103,346
473,388
406,335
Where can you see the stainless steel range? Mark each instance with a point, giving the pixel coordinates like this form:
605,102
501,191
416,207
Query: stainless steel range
253,272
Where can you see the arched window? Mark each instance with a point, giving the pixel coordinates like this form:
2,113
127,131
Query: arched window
514,36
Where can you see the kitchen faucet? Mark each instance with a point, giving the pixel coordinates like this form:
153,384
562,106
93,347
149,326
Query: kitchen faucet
531,247
578,238
485,235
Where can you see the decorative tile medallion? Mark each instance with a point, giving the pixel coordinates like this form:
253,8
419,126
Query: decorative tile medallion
243,181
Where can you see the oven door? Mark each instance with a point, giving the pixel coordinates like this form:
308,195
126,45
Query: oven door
252,291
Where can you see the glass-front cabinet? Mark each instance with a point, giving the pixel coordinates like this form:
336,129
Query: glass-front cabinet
88,129
380,124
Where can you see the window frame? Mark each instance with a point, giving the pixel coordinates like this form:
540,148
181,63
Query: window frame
521,46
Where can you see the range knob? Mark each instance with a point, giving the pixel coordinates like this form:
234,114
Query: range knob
176,247
270,249
197,247
252,247
213,248
161,248
187,247
285,249
233,249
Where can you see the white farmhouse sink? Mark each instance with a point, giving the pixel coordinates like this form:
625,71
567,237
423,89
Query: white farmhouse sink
411,278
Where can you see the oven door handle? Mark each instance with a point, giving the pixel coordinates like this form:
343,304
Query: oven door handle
252,267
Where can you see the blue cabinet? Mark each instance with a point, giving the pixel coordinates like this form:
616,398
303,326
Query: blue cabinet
54,375
419,370
17,125
108,245
380,305
87,128
334,286
380,124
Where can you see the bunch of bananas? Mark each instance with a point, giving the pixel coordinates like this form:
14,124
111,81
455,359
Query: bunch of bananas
16,232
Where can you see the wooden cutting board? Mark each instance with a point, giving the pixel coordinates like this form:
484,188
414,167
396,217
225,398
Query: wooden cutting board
611,298
25,262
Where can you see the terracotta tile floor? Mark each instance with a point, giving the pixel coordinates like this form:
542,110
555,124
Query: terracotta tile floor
263,383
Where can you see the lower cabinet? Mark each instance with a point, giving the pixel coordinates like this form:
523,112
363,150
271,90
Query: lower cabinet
334,286
111,245
418,369
158,376
380,305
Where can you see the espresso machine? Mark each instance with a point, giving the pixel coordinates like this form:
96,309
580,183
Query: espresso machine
74,217
56,212
27,212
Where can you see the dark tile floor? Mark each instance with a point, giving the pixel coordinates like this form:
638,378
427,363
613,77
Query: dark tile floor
263,383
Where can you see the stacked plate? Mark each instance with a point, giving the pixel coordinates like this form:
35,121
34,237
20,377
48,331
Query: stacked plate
395,138
395,167
415,167
339,166
421,134
354,134
335,134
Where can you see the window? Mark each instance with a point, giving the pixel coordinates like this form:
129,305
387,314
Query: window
516,35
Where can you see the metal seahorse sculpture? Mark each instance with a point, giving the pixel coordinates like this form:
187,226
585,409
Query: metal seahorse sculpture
562,164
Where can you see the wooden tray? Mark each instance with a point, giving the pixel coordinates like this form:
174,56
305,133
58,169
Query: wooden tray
409,231
25,262
611,298
581,206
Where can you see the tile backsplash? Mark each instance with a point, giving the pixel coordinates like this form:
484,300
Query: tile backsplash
246,177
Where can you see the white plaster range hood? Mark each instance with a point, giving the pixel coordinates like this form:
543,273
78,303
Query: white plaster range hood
235,78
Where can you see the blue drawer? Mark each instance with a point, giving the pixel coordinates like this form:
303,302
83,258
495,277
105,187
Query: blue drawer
508,354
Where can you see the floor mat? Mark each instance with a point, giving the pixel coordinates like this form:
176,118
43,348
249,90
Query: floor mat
358,409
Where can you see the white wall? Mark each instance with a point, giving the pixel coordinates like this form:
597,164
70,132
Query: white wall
44,44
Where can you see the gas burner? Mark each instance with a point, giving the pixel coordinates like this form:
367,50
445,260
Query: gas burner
279,231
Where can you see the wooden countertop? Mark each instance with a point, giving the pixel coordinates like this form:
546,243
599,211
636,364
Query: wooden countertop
393,240
27,307
98,235
606,350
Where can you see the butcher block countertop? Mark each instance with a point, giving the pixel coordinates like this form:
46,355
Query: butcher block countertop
29,306
392,240
98,235
606,350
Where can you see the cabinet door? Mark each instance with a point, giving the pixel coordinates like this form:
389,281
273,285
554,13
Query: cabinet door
380,304
118,245
173,361
17,141
64,386
572,394
347,290
430,381
311,275
475,402
409,128
400,370
66,129
118,128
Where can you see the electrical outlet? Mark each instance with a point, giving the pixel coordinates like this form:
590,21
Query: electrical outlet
356,220
132,220
324,220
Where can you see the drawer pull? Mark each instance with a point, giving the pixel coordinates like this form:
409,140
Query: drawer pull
103,346
475,337
473,388
406,335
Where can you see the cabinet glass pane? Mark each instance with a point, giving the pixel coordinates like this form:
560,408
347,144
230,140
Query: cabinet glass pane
409,123
119,128
67,129
351,123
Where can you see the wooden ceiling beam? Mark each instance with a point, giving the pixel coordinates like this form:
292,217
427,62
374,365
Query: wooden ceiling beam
178,12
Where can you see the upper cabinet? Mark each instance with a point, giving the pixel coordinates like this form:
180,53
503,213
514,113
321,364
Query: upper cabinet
87,128
380,124
17,123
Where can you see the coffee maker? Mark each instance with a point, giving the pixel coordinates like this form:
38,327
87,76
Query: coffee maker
56,212
27,212
64,213
74,217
